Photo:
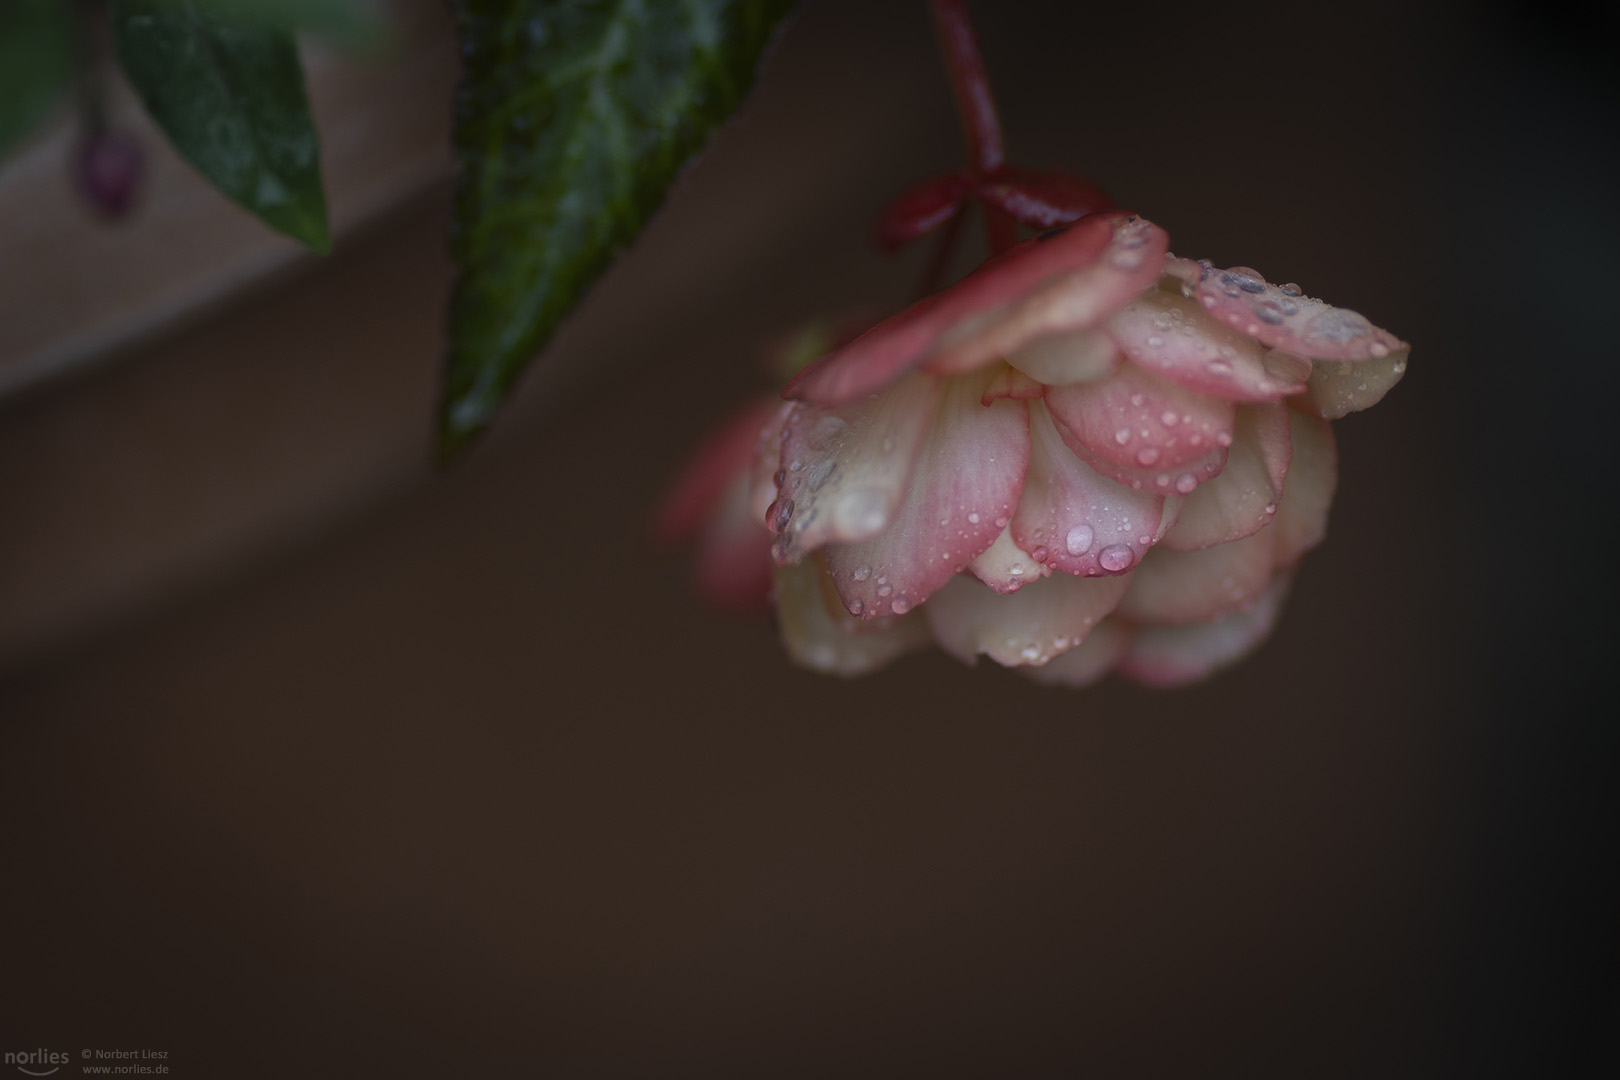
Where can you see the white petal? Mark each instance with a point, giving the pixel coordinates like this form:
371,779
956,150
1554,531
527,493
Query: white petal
1030,626
819,637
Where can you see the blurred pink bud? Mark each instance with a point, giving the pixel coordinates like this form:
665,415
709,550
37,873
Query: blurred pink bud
1087,456
107,171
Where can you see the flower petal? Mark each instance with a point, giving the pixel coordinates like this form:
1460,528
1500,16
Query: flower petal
1073,520
1283,318
1312,477
823,639
1030,626
1073,301
719,461
767,459
841,475
734,556
1195,586
968,477
878,356
1143,431
1174,337
1243,498
1006,567
1088,661
1338,389
1068,356
1173,655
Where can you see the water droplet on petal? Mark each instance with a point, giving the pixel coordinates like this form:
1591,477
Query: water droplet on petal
862,572
1378,348
1115,558
1186,482
901,605
1147,455
973,518
1122,436
1267,312
1169,418
779,514
1079,540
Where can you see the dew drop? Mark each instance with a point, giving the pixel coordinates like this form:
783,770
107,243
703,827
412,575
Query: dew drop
1115,557
1147,455
1078,542
862,573
1122,436
1127,260
1378,348
1291,289
1137,400
885,590
901,605
973,518
779,514
1219,367
1169,418
1267,312
1039,554
1155,341
1001,523
1186,482
1224,438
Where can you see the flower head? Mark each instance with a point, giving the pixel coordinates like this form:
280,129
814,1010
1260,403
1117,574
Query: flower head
1088,455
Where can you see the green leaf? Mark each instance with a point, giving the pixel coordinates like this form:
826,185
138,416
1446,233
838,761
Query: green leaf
351,23
231,99
572,119
36,63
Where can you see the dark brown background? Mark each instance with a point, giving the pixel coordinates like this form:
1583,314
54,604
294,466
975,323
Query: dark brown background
465,783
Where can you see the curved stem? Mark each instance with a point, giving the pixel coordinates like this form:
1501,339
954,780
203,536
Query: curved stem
969,82
976,106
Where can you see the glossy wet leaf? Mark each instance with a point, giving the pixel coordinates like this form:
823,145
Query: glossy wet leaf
36,63
572,120
230,97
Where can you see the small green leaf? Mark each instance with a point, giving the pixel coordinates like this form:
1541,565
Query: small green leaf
572,120
231,99
36,63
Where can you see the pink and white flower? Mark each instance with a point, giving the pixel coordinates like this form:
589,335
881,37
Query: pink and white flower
1087,456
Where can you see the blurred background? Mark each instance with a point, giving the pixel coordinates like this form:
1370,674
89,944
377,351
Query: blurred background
318,762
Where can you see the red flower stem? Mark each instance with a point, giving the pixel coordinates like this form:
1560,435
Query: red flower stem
975,104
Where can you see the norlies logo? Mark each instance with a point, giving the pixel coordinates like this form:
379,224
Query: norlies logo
37,1062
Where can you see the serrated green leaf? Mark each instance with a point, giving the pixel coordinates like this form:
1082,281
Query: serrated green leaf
572,120
231,99
36,63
